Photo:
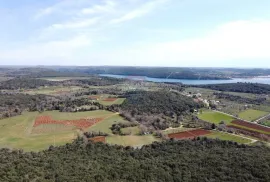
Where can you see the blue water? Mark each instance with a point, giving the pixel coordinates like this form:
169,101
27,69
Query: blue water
193,82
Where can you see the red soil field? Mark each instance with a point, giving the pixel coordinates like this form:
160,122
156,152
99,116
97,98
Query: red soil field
98,139
110,99
189,134
80,123
251,125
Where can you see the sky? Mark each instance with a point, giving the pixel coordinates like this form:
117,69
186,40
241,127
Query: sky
180,33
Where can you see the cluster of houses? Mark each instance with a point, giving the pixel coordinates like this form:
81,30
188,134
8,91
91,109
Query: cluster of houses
207,103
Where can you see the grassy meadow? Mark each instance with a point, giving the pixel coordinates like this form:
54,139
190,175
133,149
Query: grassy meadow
215,117
251,114
52,90
227,136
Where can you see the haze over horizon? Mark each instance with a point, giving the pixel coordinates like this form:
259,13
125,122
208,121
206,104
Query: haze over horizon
171,33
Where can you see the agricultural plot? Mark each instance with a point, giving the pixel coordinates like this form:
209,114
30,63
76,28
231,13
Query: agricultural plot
53,90
131,140
98,139
106,100
46,124
106,123
250,126
251,114
191,134
227,136
215,117
18,131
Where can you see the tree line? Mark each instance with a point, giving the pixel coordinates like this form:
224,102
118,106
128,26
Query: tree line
201,160
255,88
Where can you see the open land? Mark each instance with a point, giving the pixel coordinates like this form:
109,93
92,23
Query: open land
215,117
53,90
17,132
251,114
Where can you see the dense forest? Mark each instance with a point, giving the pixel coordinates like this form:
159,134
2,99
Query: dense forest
199,160
32,83
156,109
239,99
157,102
15,104
25,83
255,88
155,72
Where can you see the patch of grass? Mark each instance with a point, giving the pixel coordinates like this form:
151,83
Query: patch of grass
251,114
227,136
109,103
52,90
104,125
132,130
215,117
131,140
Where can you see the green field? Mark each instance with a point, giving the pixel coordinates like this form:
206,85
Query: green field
227,136
105,125
215,117
101,99
132,130
251,114
131,140
108,103
16,132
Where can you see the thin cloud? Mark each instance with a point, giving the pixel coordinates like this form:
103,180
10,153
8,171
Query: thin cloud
81,23
136,13
63,7
109,6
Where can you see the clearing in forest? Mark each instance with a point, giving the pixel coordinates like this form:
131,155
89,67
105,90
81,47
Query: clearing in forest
106,99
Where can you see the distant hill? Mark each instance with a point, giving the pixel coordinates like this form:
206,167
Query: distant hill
255,88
